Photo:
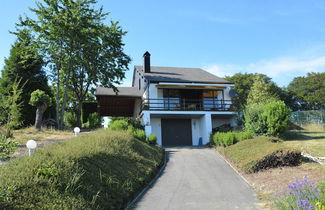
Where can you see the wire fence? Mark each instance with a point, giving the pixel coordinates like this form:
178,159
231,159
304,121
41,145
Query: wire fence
303,118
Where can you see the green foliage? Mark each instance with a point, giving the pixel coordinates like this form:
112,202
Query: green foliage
139,134
270,119
39,97
70,119
25,63
261,92
230,138
100,170
118,125
7,147
309,91
83,49
13,106
261,153
130,121
152,139
243,84
93,121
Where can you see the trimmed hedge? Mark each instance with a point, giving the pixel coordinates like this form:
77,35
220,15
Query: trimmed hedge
230,138
152,139
100,170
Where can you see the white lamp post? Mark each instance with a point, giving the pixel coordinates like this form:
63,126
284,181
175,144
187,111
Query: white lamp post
31,145
76,131
105,126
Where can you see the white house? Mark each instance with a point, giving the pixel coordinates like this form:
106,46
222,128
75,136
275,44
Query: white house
180,106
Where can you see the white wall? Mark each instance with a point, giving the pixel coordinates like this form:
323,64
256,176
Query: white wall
196,132
156,129
137,107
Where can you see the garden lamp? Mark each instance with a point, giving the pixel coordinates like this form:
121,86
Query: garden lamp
31,145
76,131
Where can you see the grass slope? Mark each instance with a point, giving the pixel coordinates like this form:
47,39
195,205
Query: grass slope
101,170
248,154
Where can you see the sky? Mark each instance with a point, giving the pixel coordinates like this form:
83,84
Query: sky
280,38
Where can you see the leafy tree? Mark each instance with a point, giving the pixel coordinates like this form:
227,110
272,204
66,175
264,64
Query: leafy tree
261,92
243,84
82,50
41,100
309,91
24,62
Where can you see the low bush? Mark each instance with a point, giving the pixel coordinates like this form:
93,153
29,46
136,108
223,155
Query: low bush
261,153
118,125
139,134
301,194
93,121
152,139
230,138
7,147
130,121
223,128
100,170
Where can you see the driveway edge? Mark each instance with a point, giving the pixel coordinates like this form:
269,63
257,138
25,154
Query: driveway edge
235,170
144,190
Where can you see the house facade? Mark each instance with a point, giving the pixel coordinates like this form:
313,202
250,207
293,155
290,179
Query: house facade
180,106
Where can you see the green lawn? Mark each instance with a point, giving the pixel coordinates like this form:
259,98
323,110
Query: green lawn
311,142
101,170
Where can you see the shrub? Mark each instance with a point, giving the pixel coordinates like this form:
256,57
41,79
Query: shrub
152,139
271,119
301,194
100,170
93,121
118,125
139,134
230,138
130,121
7,147
70,119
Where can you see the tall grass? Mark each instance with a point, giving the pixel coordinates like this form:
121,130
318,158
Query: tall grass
102,170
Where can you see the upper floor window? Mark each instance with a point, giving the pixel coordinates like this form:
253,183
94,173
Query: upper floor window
139,84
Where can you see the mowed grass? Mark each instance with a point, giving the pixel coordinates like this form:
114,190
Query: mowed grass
247,153
23,135
101,170
309,141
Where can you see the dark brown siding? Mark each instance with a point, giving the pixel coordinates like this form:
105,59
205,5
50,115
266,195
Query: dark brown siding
115,106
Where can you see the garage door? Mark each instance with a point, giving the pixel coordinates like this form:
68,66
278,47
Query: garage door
176,132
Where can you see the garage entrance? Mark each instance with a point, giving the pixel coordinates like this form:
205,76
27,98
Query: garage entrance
176,132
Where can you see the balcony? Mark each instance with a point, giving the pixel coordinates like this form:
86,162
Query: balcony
181,104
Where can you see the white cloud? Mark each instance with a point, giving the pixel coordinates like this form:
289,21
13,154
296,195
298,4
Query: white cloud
282,70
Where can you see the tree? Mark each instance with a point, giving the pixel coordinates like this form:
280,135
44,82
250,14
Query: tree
41,100
24,62
261,92
81,49
309,91
243,84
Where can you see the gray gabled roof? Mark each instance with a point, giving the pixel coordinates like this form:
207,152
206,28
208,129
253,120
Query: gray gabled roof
177,74
122,91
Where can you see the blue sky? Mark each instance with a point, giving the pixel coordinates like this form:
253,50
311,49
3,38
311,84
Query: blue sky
280,38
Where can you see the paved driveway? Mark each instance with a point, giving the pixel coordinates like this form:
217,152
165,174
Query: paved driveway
197,178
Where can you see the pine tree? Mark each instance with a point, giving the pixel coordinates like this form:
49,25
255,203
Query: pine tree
25,63
261,92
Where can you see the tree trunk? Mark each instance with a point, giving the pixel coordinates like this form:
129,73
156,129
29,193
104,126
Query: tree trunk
57,98
79,124
39,116
64,102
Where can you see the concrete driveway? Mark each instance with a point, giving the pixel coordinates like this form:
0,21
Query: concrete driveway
197,178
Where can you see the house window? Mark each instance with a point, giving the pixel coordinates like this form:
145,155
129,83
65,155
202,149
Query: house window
139,84
212,99
171,98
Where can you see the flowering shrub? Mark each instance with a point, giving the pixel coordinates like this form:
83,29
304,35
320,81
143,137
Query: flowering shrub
301,194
